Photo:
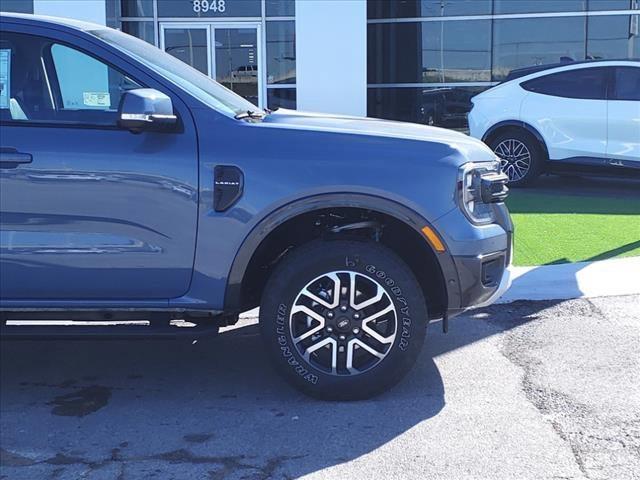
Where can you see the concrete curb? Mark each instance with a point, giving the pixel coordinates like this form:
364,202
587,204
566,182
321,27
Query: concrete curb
620,276
615,277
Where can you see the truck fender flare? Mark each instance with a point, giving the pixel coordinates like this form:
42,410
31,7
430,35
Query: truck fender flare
332,200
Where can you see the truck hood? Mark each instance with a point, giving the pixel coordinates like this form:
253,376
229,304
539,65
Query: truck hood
294,119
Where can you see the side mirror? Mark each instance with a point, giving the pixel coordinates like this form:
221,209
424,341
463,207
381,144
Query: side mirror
146,109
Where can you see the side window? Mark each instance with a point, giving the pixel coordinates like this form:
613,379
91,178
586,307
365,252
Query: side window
5,77
44,81
83,81
23,92
584,83
626,84
89,90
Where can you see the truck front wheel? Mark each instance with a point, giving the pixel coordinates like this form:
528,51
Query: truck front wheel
343,319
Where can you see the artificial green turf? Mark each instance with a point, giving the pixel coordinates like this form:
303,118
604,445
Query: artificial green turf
552,228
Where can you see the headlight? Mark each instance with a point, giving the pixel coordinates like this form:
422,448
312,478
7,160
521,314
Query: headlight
479,186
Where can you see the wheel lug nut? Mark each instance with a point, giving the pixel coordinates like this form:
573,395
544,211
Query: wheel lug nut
356,331
330,315
329,329
356,316
341,349
342,337
343,308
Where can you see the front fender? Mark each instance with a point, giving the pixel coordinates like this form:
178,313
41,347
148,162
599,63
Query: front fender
374,203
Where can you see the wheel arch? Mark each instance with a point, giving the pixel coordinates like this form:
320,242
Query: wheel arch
500,127
252,251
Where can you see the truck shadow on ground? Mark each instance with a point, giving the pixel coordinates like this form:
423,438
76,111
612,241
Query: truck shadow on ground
213,409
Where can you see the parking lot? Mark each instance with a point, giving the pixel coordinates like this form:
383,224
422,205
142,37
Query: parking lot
525,390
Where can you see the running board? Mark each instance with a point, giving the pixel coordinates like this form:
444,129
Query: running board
158,325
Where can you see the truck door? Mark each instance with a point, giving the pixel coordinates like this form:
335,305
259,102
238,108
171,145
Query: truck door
88,211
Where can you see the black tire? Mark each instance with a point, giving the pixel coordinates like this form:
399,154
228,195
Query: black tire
371,265
500,145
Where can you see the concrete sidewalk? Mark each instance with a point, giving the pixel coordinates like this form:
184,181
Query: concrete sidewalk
620,276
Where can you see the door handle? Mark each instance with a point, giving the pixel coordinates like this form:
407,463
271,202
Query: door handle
11,158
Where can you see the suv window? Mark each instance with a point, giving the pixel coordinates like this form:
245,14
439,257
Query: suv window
44,81
584,83
626,83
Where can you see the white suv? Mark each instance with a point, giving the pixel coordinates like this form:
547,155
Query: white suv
581,116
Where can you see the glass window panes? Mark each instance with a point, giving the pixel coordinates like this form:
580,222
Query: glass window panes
626,83
236,57
17,6
430,52
141,30
209,8
281,52
78,74
281,98
189,45
280,8
426,8
442,106
614,36
525,42
77,88
614,5
86,83
584,83
534,6
136,8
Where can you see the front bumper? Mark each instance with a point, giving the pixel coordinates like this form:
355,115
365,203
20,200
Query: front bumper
483,278
505,284
481,257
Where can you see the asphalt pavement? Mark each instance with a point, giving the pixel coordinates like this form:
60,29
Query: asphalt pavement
529,390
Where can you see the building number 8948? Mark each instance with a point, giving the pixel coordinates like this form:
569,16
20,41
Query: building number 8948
206,6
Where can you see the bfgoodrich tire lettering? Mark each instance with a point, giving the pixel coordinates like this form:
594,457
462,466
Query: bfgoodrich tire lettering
343,319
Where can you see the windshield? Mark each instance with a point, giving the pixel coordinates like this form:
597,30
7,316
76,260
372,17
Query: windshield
188,78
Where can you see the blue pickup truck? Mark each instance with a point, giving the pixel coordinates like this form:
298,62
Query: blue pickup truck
135,190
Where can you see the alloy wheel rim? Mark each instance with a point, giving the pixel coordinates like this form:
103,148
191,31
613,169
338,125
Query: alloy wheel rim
515,158
343,323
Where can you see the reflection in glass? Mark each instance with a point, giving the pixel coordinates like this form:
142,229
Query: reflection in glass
426,52
440,106
281,52
136,8
613,37
236,54
280,8
281,98
627,84
17,6
614,5
141,30
583,83
188,45
534,6
536,41
426,8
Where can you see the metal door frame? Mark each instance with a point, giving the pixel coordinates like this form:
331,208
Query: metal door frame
210,28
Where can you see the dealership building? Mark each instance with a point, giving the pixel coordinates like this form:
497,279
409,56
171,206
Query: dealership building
412,60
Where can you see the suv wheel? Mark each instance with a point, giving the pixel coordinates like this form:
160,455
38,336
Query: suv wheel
521,156
343,319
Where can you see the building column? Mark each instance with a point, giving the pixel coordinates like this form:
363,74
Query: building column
94,11
331,56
